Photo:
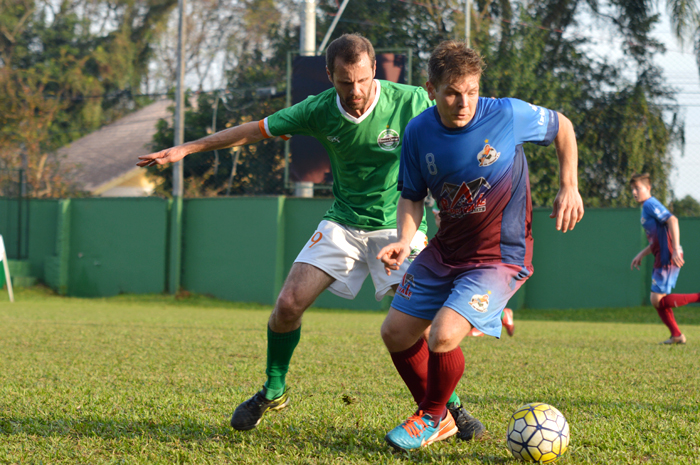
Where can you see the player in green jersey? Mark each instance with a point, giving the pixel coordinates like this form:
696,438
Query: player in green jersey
360,122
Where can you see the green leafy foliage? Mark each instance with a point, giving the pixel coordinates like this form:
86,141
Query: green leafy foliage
687,206
64,75
625,121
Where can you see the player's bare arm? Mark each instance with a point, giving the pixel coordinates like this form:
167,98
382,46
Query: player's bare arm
568,205
248,133
409,215
677,256
637,260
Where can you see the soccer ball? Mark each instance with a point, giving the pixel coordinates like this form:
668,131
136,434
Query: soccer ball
537,432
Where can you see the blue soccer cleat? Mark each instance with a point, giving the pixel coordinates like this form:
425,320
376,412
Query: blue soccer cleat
420,430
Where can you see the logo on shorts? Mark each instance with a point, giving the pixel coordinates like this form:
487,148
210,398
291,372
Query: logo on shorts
404,288
488,155
413,255
333,139
480,303
461,200
388,140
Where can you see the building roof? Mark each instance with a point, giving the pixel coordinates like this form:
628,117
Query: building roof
108,156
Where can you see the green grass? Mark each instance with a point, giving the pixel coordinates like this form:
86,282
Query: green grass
154,379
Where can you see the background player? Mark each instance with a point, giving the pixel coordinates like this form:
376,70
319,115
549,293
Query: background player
468,151
360,122
662,231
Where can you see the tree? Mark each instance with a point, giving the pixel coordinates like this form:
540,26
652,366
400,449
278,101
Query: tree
687,206
623,124
64,73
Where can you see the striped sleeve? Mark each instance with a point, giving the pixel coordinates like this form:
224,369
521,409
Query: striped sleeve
264,126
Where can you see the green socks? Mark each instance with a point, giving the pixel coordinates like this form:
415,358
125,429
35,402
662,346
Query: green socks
454,399
280,347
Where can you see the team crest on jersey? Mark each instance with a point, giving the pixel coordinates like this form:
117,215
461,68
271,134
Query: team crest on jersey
404,289
388,140
480,303
488,155
464,199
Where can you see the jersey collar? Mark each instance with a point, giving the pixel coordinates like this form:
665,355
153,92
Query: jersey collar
351,118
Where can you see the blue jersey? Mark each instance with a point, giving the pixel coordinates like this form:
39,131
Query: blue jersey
479,177
654,218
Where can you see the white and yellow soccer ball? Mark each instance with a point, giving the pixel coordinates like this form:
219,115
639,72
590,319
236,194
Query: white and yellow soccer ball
537,432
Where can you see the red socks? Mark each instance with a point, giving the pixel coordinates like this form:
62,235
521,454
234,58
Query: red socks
679,300
430,376
666,315
668,303
412,365
444,371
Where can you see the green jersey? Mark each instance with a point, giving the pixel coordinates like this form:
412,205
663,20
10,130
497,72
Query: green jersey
364,151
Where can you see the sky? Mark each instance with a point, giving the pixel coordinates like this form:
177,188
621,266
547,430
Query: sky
681,71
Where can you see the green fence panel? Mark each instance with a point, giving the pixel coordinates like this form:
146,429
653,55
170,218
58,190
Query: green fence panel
13,236
117,245
231,247
41,234
589,266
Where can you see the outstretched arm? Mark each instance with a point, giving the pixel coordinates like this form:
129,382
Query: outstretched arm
568,206
247,133
409,214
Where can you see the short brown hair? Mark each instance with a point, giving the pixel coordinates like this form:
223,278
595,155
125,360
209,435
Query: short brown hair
643,178
349,48
453,59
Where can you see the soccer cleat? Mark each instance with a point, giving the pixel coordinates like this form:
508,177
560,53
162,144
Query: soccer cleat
674,340
475,333
420,430
507,321
468,427
249,414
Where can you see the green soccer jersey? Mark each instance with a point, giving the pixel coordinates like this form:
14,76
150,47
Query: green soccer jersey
364,151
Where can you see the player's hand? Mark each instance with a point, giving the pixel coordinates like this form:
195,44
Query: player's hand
636,262
170,155
677,258
393,256
567,209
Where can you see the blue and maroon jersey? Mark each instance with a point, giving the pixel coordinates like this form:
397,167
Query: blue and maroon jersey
479,177
654,218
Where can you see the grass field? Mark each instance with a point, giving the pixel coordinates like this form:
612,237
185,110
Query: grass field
153,379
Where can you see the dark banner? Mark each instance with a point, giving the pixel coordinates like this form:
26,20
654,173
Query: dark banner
309,160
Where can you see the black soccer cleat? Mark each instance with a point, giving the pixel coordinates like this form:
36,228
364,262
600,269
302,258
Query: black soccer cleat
468,427
249,414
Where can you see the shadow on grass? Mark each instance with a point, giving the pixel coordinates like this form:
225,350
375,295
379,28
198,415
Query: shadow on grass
181,430
351,442
343,442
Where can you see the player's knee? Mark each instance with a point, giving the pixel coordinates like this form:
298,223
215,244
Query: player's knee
289,307
443,341
387,332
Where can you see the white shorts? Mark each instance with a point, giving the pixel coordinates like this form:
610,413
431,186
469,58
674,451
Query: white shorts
350,254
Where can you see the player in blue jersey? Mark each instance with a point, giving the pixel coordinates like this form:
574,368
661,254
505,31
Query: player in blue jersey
468,151
663,234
